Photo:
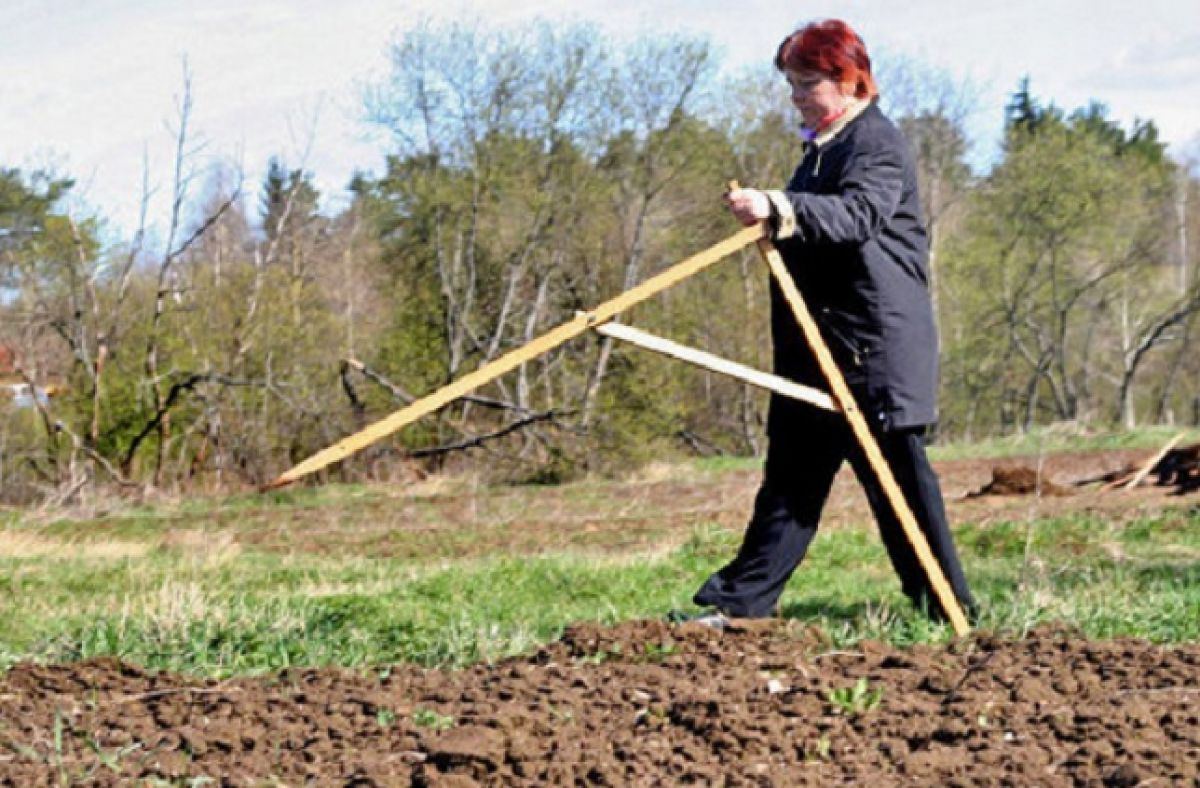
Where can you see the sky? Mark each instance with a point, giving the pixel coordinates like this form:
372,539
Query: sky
91,87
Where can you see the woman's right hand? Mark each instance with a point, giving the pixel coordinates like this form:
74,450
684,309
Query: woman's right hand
749,206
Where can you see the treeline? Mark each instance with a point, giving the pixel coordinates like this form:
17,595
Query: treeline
538,173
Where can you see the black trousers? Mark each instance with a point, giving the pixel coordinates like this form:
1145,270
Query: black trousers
807,447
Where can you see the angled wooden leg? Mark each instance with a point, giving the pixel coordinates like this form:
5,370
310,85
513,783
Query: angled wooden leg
845,400
858,425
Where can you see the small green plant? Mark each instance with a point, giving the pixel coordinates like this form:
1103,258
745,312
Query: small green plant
820,750
428,718
561,713
602,655
112,760
24,750
59,756
857,699
385,718
657,652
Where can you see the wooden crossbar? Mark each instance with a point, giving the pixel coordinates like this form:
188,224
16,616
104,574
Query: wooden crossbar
515,358
705,360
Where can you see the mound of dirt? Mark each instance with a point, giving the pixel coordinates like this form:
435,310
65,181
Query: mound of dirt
1019,480
644,702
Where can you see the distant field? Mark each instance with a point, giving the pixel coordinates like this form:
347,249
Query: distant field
449,573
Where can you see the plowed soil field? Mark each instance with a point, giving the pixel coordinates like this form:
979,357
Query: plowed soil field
642,703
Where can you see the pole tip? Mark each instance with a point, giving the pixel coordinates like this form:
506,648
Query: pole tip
275,484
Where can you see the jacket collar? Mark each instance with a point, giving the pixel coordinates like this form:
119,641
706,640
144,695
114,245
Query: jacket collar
856,108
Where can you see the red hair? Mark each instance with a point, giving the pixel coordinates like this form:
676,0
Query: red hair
831,48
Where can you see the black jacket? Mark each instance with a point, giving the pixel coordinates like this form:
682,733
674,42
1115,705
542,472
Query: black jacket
859,254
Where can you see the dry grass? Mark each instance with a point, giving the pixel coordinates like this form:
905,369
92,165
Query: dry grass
435,485
661,472
209,547
23,544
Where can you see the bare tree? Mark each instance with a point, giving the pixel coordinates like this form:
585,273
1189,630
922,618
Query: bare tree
178,241
653,89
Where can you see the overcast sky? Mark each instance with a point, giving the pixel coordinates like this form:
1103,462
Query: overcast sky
90,86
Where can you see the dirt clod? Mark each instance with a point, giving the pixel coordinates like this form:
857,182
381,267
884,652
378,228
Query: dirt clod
1019,480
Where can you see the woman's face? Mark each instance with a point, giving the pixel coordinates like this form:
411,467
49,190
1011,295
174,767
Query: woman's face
816,96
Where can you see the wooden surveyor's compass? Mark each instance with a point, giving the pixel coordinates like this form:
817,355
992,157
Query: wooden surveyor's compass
600,319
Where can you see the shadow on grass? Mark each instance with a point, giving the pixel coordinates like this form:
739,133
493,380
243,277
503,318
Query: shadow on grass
1184,572
820,608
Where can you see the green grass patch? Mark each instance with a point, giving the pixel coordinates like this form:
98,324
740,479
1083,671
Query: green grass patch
1055,439
221,612
725,464
1041,440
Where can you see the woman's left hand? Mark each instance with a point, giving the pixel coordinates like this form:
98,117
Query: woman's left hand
749,206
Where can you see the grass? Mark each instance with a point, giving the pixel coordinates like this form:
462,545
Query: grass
439,520
238,612
179,587
856,699
1042,440
1057,438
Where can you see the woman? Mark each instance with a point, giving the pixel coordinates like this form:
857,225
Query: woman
849,228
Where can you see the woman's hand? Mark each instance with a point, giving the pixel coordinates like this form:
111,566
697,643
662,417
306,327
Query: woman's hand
749,206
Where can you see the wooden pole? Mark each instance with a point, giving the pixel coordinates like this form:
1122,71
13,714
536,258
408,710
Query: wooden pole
845,400
763,380
1148,466
515,358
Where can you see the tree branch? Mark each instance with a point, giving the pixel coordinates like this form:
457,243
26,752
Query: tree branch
187,384
479,440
